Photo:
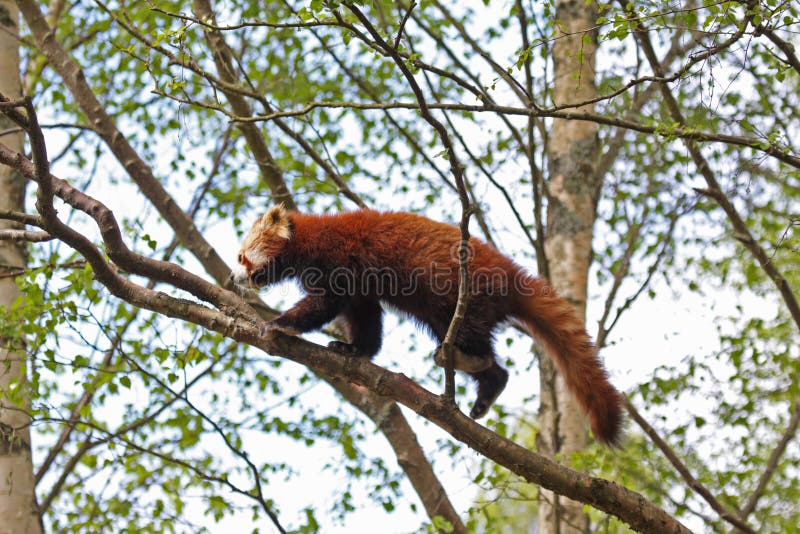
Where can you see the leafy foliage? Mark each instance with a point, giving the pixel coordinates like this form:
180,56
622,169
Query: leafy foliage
156,426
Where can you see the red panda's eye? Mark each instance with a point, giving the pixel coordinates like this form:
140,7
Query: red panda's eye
239,258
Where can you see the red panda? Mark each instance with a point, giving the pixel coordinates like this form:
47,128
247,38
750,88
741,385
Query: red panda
349,263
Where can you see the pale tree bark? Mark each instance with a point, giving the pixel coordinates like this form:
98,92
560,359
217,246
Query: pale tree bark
18,511
572,151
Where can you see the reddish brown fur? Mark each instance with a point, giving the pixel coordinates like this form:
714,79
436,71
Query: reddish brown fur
421,254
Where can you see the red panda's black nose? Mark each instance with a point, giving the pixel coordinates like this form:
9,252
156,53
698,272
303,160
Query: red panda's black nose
230,276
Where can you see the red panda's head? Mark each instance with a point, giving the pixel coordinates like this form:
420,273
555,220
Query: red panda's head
261,245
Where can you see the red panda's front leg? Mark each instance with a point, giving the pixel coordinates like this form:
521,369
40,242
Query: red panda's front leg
363,325
310,313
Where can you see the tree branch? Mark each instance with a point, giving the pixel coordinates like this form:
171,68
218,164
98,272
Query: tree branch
403,24
24,235
683,131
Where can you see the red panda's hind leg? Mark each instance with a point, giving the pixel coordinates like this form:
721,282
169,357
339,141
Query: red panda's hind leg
363,324
472,351
464,361
491,383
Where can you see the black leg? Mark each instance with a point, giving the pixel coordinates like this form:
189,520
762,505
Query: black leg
363,322
310,313
464,361
473,351
491,383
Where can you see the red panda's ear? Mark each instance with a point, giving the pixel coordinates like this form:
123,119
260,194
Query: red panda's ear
277,220
275,215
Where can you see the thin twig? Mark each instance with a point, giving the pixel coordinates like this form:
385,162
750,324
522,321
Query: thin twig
403,24
678,131
466,209
502,72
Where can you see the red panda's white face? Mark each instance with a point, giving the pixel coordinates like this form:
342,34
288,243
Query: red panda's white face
261,245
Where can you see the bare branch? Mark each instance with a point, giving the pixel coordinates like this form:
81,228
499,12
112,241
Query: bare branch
211,24
680,132
24,218
502,72
666,240
9,108
403,24
11,131
24,235
537,180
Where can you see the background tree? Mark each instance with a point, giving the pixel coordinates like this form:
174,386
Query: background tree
573,187
18,511
175,125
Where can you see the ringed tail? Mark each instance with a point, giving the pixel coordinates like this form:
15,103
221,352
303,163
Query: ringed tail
552,321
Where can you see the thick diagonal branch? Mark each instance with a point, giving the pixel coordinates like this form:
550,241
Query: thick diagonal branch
183,226
104,125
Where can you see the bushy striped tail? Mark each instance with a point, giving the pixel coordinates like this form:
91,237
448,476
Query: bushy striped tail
553,322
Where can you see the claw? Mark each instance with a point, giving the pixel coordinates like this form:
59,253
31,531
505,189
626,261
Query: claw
345,348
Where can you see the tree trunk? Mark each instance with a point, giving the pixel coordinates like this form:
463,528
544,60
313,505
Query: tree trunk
573,150
18,511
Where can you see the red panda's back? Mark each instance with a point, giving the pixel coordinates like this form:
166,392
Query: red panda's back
428,250
413,260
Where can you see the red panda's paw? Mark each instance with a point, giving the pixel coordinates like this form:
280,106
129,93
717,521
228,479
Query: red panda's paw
346,348
491,383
